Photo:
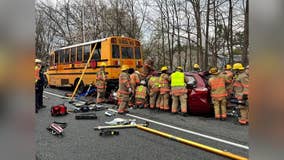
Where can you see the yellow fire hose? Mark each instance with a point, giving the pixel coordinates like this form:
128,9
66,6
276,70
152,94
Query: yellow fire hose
83,73
188,142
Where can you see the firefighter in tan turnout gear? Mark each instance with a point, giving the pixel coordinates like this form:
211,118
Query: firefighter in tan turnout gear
153,86
218,93
240,88
164,84
179,91
124,90
101,84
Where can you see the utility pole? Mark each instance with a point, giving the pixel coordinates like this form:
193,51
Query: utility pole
83,19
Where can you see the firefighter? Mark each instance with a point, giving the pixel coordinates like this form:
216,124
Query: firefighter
39,84
229,77
141,95
134,82
196,68
217,84
240,88
179,91
153,86
148,68
164,89
124,90
101,84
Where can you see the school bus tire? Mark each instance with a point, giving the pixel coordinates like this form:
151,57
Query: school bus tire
81,87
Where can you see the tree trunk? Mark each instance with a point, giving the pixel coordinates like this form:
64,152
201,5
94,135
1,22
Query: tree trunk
207,34
246,35
230,32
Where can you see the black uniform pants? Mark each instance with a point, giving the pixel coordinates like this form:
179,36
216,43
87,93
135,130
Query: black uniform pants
38,97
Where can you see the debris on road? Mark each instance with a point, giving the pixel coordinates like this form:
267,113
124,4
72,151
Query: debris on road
86,116
109,113
57,128
121,121
105,133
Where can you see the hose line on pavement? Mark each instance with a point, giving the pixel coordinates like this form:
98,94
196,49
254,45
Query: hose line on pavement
195,144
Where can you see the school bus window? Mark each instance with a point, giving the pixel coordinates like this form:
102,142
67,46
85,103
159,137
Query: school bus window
97,52
137,53
79,53
62,57
56,57
86,52
73,54
127,52
67,53
115,51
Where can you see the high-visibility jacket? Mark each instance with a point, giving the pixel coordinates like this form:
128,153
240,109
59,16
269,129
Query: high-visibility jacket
37,70
141,92
164,83
124,83
218,88
153,84
241,86
101,80
177,79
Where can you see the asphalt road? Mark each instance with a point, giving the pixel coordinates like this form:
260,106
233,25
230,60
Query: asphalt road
80,141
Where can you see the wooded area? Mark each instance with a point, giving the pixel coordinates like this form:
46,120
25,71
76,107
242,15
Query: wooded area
172,32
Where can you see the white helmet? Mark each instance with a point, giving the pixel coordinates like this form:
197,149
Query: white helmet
37,61
143,82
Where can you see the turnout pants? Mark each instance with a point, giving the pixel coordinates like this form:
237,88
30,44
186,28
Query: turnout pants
244,114
164,101
124,100
220,108
183,101
154,100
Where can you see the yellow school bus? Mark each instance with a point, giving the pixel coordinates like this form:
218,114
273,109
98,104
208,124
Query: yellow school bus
67,63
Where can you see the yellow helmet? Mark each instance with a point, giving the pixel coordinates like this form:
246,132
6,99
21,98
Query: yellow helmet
196,65
238,66
228,66
179,67
164,68
213,70
124,67
103,64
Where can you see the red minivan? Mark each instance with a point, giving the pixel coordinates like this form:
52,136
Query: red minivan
199,101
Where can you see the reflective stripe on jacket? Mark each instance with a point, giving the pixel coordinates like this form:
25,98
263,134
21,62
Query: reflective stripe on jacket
101,80
164,83
241,85
153,84
177,79
217,84
141,92
124,83
37,70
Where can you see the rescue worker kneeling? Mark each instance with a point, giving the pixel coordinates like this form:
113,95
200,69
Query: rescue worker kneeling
179,91
124,90
141,95
218,93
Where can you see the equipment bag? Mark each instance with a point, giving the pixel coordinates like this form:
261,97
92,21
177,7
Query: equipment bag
59,110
